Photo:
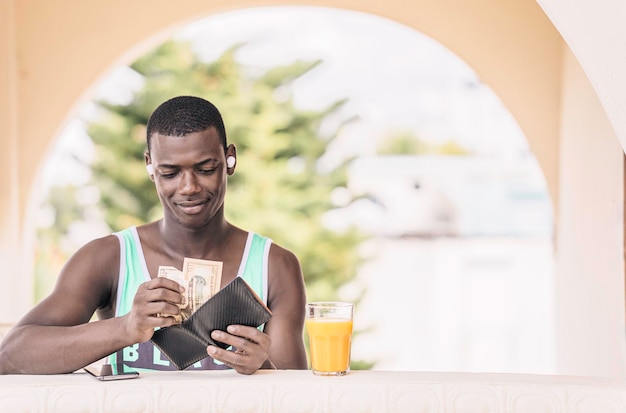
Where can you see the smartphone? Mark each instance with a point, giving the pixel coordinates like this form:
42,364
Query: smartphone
111,372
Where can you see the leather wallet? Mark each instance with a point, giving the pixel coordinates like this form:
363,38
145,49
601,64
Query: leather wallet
186,343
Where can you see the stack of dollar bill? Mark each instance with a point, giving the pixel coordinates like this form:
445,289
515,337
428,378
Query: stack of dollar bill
201,280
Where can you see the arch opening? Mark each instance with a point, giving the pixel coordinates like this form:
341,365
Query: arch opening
442,96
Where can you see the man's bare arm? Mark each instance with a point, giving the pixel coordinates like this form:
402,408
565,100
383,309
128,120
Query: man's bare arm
56,335
287,300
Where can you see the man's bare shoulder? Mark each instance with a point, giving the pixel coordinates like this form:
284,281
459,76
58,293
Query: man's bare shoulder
96,262
282,259
103,248
284,275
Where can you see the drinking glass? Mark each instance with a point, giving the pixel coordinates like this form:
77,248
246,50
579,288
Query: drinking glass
329,325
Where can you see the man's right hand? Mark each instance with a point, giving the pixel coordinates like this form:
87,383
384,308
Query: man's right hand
156,297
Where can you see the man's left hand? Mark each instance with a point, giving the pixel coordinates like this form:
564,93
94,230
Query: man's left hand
251,348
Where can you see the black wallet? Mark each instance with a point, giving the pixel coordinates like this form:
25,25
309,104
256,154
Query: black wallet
186,343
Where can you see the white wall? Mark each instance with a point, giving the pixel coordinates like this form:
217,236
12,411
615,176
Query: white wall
595,32
590,268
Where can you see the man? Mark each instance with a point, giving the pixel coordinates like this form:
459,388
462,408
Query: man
188,160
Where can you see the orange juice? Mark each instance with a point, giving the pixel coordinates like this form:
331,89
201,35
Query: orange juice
329,344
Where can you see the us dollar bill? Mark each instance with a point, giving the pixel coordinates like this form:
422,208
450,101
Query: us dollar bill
173,274
203,278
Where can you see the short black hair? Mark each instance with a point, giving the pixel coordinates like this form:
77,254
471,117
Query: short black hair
182,115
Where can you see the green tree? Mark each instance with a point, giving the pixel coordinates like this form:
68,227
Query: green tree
405,143
277,190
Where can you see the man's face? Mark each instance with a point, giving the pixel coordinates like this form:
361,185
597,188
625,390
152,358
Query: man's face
190,176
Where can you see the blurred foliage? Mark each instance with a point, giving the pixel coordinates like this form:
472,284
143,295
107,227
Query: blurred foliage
277,189
405,143
51,249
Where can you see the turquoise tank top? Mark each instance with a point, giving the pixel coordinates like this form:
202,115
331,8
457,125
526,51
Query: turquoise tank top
134,271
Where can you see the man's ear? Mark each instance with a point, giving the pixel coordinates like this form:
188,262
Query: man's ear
149,166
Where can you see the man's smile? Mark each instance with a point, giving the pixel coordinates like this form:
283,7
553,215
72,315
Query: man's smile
192,207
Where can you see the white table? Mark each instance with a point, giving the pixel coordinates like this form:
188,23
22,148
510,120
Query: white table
299,391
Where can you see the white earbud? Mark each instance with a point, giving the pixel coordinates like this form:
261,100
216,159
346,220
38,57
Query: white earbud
230,161
150,169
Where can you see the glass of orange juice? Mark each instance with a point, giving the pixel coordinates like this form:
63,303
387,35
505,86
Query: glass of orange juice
329,325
